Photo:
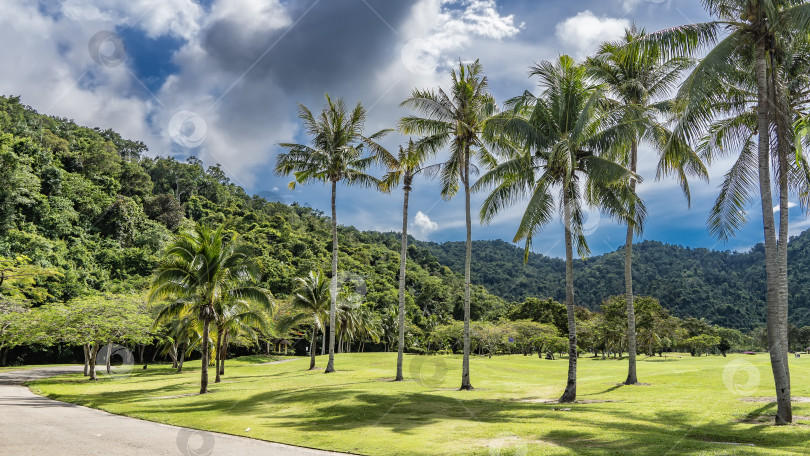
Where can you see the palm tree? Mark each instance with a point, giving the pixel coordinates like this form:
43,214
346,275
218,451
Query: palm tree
561,132
639,79
756,32
408,164
197,273
456,120
348,317
177,335
239,319
336,154
311,299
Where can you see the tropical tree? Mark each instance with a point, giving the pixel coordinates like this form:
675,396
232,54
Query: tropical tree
755,32
92,321
409,163
239,318
638,81
176,337
561,133
198,272
311,299
456,120
336,154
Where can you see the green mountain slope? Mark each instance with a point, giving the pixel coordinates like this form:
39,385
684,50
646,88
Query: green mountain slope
91,205
727,288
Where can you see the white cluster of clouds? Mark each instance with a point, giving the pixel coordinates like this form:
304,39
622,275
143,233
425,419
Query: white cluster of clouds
438,28
423,225
584,32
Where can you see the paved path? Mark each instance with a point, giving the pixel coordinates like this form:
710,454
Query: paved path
35,425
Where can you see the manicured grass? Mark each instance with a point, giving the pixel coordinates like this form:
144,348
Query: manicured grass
685,409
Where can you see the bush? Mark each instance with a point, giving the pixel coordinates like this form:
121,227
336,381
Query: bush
416,350
444,352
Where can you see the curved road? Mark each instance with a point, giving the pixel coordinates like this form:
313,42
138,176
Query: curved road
35,425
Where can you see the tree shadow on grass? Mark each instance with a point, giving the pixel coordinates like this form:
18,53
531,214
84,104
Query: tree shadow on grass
584,428
599,429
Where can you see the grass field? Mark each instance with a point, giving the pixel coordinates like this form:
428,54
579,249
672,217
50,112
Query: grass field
688,406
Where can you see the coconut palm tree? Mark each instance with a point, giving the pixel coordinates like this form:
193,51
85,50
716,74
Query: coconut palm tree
638,80
177,336
756,31
456,120
408,164
239,318
348,321
562,133
311,299
197,273
337,154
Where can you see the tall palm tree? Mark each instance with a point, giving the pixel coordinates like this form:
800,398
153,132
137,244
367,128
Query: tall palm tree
197,273
336,154
408,164
562,133
756,31
638,80
456,119
311,299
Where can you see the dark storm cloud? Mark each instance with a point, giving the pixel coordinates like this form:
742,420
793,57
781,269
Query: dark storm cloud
334,43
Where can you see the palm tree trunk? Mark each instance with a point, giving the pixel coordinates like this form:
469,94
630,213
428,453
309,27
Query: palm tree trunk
465,365
204,370
784,413
218,353
570,394
628,281
783,149
312,346
330,366
323,341
224,354
402,264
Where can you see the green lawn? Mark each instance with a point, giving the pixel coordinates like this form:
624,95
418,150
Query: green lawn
686,407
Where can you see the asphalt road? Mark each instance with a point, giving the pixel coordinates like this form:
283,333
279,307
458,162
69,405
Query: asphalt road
36,426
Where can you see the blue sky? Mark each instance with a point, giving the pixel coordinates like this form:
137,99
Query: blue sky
220,79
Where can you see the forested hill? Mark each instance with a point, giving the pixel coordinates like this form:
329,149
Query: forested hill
726,288
93,207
